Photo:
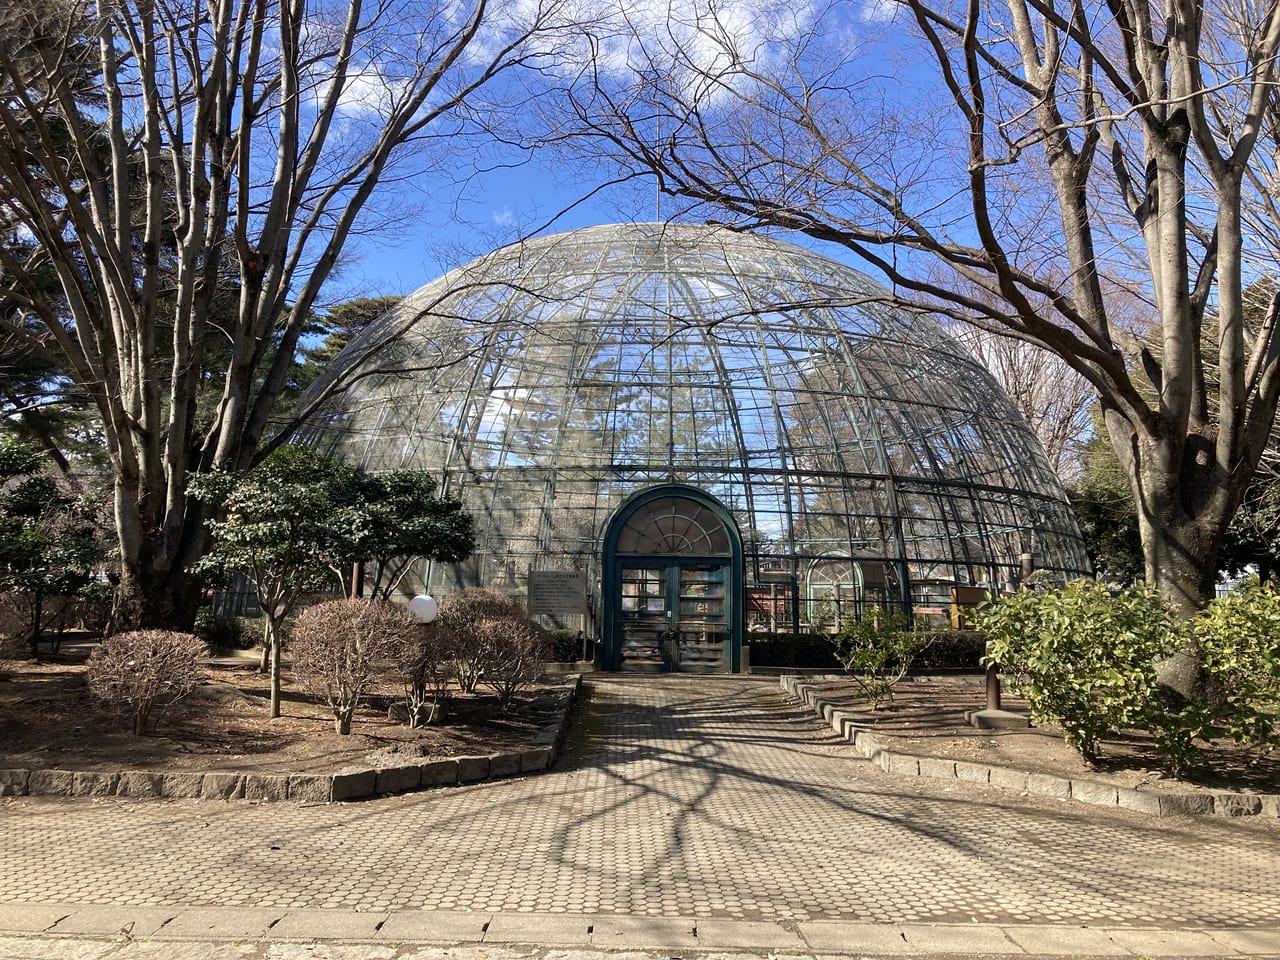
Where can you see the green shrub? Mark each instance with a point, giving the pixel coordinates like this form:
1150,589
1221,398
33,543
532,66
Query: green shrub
793,650
566,645
1085,661
951,650
1237,637
878,651
220,633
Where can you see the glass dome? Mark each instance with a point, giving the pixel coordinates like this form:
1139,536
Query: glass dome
863,456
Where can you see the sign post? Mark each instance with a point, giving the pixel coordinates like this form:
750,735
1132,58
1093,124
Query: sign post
560,593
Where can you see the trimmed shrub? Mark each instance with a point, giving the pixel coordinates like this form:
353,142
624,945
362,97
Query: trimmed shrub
796,650
426,663
515,648
1237,636
145,670
1085,661
337,646
220,633
460,615
566,645
951,650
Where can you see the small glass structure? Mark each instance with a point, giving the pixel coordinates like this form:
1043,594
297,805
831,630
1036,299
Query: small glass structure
727,432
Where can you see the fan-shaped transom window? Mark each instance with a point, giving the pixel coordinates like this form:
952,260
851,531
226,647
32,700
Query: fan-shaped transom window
675,526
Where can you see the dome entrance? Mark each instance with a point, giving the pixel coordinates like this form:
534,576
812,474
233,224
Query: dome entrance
672,589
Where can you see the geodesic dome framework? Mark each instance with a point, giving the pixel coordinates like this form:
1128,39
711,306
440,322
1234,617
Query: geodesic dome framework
862,456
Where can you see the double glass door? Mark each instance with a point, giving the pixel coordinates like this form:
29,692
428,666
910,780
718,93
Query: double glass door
673,616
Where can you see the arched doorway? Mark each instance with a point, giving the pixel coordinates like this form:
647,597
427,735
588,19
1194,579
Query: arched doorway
672,586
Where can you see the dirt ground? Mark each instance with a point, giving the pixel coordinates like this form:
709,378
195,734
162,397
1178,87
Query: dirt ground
48,719
927,718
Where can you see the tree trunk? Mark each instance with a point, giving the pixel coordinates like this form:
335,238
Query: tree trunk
275,667
264,663
149,600
37,615
1181,562
342,721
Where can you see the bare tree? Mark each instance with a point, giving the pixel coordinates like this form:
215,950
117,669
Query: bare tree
192,212
1082,166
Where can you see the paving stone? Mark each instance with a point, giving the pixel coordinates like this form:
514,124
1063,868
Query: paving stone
398,779
13,783
1185,804
310,788
535,761
1008,779
1077,941
1167,943
1099,794
51,783
937,768
354,784
31,917
855,938
1237,804
1270,805
442,926
222,786
94,783
471,769
1143,801
329,925
693,800
439,773
504,764
222,923
1047,785
136,783
973,772
551,929
263,786
186,785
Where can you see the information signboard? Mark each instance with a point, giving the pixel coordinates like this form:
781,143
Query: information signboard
557,592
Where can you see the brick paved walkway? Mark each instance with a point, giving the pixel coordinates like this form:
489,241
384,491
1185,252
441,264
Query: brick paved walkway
680,797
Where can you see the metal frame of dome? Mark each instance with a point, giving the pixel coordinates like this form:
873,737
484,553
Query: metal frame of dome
855,443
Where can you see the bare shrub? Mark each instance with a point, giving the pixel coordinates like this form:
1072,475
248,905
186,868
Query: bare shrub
143,670
427,664
515,648
337,646
460,616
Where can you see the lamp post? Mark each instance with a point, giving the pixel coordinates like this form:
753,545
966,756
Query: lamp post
423,608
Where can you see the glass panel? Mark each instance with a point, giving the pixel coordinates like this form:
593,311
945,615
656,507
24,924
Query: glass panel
701,634
645,618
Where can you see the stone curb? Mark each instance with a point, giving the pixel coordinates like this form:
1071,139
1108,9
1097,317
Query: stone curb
1173,804
352,783
158,931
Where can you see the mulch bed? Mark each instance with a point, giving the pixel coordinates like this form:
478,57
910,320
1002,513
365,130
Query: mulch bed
48,719
927,718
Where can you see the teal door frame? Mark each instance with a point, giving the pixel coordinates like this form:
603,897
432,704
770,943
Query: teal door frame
612,563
